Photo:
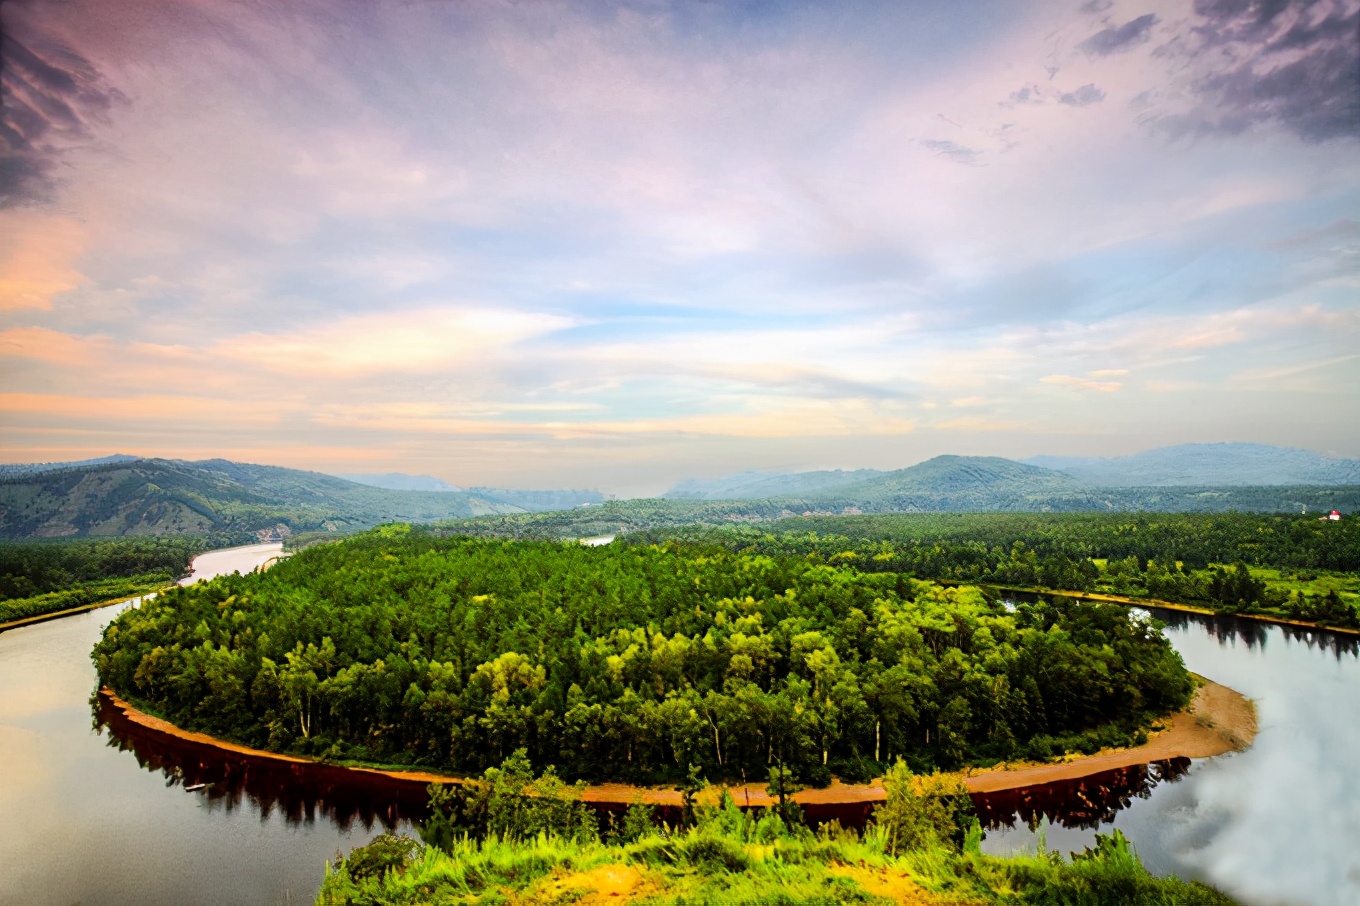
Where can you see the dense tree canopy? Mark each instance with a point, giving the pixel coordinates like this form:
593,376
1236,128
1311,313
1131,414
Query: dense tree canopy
36,567
42,577
631,662
1196,559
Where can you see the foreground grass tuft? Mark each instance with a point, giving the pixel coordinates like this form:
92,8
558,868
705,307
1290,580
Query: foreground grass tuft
706,864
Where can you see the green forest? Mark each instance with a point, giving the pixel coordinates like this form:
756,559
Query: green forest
1293,567
40,577
634,662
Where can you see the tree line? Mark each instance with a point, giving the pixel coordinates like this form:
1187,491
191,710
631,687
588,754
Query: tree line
633,662
1192,559
47,576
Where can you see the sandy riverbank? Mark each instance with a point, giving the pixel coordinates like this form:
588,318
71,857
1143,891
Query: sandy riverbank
1219,720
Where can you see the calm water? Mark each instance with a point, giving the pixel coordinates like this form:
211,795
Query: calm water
83,822
1278,823
95,816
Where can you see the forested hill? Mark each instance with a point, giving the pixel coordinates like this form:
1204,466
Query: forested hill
1232,465
943,482
160,497
946,484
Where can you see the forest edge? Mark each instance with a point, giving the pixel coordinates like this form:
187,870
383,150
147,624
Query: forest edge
1217,721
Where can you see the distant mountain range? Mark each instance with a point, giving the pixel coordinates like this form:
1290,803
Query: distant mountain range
14,470
398,481
760,485
1187,465
1208,464
131,496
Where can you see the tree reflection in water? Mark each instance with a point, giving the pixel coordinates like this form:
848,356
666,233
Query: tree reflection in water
300,790
1086,802
1229,630
303,790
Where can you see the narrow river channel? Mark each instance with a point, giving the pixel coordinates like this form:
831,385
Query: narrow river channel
87,816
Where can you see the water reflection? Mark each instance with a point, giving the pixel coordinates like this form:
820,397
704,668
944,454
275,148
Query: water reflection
302,791
1229,630
1085,803
299,791
1225,629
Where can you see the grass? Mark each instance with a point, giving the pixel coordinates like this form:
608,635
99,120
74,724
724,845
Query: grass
744,859
1316,583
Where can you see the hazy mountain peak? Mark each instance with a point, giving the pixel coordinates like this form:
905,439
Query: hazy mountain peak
1236,464
756,485
398,481
14,470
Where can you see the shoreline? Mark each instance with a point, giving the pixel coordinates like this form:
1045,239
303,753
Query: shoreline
1219,720
72,611
1157,603
180,582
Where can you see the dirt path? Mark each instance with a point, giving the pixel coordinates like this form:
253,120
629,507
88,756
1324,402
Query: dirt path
1219,720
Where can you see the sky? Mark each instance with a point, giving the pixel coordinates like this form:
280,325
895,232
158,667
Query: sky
616,245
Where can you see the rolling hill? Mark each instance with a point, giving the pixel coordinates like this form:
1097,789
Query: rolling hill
945,482
963,483
159,496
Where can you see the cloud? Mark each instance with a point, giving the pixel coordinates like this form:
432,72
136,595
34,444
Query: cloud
1083,96
36,255
511,237
1117,39
1292,63
953,151
1068,380
423,340
1028,94
53,96
43,345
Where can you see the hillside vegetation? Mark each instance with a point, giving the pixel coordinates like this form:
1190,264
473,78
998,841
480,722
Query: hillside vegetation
528,840
960,492
169,497
1292,567
632,662
153,497
37,578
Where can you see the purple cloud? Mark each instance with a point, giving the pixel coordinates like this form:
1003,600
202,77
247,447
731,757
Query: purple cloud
1119,38
1083,96
52,95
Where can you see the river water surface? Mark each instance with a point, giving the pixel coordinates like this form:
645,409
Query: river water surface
102,815
83,822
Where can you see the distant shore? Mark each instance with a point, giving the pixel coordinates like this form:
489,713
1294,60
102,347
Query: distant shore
1153,602
1218,720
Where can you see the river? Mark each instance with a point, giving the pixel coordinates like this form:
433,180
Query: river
94,817
83,822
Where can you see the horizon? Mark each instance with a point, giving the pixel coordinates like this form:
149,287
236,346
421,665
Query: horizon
621,246
676,482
